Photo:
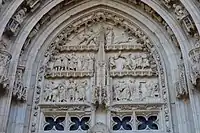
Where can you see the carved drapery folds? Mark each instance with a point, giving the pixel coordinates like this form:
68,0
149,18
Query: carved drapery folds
19,90
194,55
101,61
5,58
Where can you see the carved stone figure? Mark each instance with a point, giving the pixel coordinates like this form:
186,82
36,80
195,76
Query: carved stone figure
58,64
181,85
71,88
73,62
129,63
122,91
2,63
19,90
180,12
65,63
81,88
89,37
116,62
110,36
117,91
153,89
133,89
52,92
122,39
138,61
168,3
17,20
87,63
5,58
145,62
184,17
149,89
125,91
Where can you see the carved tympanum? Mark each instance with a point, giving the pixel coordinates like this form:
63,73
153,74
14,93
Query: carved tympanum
101,62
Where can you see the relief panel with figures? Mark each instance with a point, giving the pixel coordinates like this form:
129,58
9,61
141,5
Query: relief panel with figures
100,68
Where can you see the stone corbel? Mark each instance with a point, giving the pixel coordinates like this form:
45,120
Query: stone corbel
194,55
19,90
5,58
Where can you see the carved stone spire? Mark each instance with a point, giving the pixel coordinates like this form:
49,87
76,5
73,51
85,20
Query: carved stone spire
101,69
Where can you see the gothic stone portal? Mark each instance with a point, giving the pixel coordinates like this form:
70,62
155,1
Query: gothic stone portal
103,73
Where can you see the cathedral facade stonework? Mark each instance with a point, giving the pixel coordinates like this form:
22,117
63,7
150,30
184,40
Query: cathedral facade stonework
99,66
